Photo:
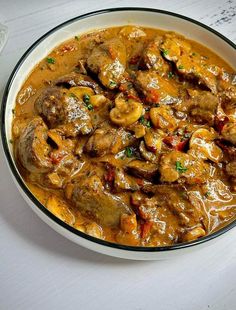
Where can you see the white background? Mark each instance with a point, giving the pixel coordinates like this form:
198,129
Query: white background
39,269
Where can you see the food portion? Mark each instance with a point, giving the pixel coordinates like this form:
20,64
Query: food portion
128,134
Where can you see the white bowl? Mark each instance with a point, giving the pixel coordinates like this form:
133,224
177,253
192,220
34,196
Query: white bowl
79,25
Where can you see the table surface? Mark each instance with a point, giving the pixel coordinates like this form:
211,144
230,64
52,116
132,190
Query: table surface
39,269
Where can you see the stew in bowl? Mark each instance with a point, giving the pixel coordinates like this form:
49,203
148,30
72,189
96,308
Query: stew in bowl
128,134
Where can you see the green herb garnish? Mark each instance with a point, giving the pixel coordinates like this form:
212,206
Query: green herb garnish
11,141
89,106
128,152
207,194
180,67
50,60
86,98
179,167
142,120
165,52
77,38
194,54
170,75
112,84
72,95
13,111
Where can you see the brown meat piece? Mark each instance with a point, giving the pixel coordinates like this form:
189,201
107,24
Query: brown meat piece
201,106
189,64
142,169
58,108
229,132
152,58
32,148
50,105
124,182
108,140
90,197
77,79
108,60
156,88
182,167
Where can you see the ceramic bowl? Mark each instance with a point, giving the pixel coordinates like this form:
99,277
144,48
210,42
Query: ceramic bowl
42,47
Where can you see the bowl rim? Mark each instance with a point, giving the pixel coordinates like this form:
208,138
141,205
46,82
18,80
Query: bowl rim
30,195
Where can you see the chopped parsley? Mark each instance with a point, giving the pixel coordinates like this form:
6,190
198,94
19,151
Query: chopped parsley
89,106
194,54
165,52
128,152
13,111
50,60
11,141
170,75
77,38
180,67
207,194
179,167
142,120
86,98
72,95
112,84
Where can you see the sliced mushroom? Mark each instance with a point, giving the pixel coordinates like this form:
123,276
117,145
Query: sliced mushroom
126,112
82,92
150,156
202,145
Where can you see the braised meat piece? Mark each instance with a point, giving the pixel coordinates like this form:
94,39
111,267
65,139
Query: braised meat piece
32,148
201,106
142,169
155,88
59,108
152,57
77,79
182,167
90,197
188,63
108,140
108,61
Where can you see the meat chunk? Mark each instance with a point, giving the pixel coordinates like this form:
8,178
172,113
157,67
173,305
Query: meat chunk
124,182
142,169
77,79
229,132
32,148
155,88
108,60
202,145
152,58
189,64
201,106
108,140
90,197
162,118
182,167
231,168
50,105
58,108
